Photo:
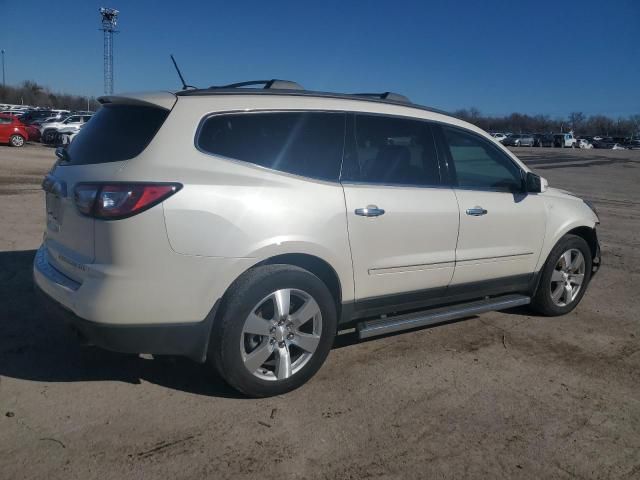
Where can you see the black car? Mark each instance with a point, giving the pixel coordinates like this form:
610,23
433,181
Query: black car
35,116
542,140
633,144
606,142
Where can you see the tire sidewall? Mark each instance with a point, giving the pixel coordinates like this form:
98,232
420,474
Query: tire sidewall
542,300
225,342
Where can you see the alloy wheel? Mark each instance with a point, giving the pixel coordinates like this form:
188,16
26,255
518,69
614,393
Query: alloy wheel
281,334
567,277
17,141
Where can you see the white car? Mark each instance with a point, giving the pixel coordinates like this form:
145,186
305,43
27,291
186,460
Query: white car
584,143
499,136
67,134
49,129
245,227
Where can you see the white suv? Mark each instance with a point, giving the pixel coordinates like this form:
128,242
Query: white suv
247,226
49,129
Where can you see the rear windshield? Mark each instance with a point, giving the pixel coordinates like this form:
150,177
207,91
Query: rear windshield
115,133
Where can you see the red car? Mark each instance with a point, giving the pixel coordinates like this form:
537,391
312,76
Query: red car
12,131
34,132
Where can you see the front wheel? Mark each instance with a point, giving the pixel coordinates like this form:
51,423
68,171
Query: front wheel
565,277
276,328
16,140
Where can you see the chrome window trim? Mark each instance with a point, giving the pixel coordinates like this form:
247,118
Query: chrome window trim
446,183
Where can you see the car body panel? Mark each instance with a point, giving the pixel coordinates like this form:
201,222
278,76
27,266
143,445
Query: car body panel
400,251
501,243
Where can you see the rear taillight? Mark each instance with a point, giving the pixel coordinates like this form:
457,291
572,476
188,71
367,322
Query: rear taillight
113,201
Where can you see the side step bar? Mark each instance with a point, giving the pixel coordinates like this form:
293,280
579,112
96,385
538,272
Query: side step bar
382,326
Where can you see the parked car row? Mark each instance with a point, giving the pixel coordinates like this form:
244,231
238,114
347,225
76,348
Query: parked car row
71,124
57,127
564,140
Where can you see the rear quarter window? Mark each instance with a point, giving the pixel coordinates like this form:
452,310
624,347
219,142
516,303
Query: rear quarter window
309,144
116,133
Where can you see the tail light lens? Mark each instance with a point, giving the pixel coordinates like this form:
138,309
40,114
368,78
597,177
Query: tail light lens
113,201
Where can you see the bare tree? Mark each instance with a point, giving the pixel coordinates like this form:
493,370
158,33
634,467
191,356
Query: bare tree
575,120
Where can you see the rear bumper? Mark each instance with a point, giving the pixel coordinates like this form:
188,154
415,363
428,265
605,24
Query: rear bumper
185,339
189,340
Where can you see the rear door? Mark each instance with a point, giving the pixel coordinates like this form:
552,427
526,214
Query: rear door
501,228
403,223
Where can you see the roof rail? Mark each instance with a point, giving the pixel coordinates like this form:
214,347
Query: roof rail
393,97
268,85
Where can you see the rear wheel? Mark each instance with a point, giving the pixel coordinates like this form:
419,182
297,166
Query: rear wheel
16,140
275,331
565,277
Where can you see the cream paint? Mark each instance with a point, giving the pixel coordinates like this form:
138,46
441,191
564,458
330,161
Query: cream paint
503,242
413,242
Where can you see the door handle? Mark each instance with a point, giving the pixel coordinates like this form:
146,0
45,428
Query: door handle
370,211
476,211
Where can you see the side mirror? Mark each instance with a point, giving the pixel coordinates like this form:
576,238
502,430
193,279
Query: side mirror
535,183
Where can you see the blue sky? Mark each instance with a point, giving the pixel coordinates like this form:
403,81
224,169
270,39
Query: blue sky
541,56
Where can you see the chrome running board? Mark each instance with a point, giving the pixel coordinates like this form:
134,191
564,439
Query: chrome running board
382,326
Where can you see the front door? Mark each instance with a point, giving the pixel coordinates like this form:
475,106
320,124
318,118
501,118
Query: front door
501,227
403,223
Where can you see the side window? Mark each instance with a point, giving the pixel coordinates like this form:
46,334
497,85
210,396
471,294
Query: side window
393,150
479,164
303,143
5,121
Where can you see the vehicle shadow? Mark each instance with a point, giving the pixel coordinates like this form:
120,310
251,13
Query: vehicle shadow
37,346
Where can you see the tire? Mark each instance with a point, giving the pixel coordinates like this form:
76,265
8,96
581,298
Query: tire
48,136
553,280
16,140
246,352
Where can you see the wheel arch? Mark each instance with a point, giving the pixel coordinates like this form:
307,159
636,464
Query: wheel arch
312,263
589,236
316,265
586,232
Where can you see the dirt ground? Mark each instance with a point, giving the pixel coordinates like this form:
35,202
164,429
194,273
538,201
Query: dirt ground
502,395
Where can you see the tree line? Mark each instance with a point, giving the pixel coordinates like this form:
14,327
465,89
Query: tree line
577,122
31,93
35,95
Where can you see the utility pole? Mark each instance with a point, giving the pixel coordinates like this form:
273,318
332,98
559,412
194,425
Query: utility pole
3,79
109,22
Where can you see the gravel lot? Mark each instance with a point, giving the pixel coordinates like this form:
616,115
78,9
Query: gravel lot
503,395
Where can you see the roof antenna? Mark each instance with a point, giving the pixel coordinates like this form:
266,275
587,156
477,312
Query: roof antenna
184,84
